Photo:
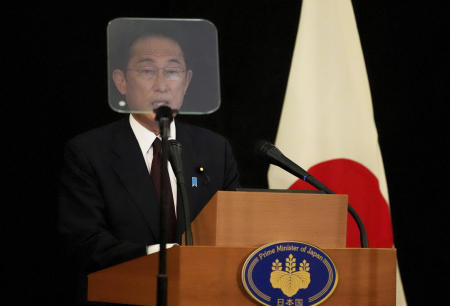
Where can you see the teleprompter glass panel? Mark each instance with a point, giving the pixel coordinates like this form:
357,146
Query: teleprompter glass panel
155,62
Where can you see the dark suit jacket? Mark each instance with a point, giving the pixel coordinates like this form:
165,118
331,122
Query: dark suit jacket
108,212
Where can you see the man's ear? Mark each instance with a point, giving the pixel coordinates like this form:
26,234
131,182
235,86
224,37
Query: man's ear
188,79
120,81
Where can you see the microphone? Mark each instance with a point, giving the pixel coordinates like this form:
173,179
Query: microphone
164,117
272,155
164,112
175,153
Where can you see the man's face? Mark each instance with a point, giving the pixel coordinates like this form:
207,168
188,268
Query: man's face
156,75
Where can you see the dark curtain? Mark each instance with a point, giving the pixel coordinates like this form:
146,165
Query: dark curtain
55,86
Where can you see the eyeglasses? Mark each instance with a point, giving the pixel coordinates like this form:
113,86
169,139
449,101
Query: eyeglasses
169,73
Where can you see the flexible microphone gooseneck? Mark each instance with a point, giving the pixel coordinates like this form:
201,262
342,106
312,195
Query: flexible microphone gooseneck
175,153
271,154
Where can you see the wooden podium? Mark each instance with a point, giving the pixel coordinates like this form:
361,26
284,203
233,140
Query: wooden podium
228,230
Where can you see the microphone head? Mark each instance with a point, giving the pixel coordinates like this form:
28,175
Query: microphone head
273,155
269,153
175,144
164,112
264,149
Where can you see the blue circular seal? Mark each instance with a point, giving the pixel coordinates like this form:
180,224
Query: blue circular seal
289,273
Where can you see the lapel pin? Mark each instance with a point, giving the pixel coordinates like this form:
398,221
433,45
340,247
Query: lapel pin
194,181
202,173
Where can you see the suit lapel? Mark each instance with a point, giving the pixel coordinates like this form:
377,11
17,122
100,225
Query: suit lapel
129,165
191,163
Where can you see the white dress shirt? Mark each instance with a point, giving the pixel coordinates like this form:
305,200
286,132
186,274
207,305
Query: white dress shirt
145,139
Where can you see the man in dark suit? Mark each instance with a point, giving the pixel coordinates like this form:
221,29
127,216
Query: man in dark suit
108,208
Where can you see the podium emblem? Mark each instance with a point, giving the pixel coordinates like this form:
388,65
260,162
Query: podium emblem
289,273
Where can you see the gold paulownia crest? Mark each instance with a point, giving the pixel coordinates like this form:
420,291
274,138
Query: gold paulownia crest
290,281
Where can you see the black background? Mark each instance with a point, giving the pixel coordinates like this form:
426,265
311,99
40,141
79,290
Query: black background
54,86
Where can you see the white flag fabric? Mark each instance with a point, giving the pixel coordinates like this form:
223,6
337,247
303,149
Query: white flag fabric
327,124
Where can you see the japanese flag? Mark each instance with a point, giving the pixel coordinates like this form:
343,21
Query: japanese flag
327,124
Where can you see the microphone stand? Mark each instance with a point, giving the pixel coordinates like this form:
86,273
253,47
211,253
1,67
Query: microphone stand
271,153
164,116
175,153
362,230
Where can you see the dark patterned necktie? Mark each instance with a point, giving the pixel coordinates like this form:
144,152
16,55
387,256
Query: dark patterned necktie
155,173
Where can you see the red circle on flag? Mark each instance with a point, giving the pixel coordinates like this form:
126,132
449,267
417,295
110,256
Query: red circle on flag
346,176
